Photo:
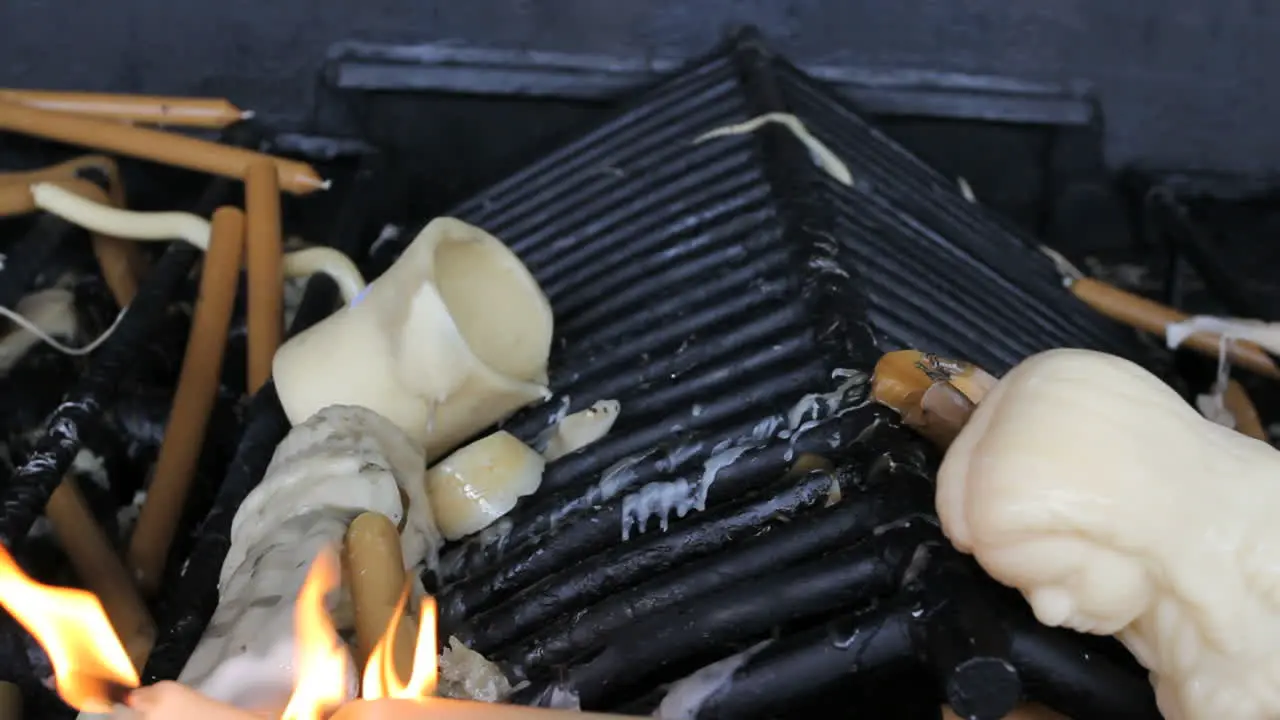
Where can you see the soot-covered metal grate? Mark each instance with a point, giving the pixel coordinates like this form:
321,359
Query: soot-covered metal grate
751,512
732,296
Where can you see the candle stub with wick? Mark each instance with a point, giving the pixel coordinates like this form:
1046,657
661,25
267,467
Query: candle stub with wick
452,338
934,395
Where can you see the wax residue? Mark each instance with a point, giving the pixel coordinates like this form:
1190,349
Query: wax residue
562,699
678,497
615,478
685,697
467,675
574,432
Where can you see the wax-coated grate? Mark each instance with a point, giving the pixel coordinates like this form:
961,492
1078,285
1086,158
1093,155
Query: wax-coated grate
709,285
733,297
711,288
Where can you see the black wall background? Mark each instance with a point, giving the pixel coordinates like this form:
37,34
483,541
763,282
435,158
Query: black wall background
1185,84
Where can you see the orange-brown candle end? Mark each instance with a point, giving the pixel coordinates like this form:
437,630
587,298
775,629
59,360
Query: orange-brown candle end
939,413
899,377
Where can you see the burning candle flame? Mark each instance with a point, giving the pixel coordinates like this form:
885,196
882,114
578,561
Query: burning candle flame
91,666
321,657
380,677
89,662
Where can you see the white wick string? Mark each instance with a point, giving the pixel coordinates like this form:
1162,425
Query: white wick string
1213,405
821,155
56,344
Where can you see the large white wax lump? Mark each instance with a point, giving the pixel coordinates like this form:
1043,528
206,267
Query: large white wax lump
1092,487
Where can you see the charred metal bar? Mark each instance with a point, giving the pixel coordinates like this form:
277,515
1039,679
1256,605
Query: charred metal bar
855,516
1184,233
1068,676
774,676
537,523
444,67
349,234
30,255
967,645
631,563
843,579
959,642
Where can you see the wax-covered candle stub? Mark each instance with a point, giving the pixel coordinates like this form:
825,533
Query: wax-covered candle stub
481,482
452,338
1091,486
342,462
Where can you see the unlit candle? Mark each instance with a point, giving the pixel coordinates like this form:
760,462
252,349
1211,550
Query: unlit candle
192,401
154,109
265,271
155,145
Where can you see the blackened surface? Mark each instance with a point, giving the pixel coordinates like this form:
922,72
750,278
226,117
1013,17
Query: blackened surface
940,273
24,498
675,269
708,287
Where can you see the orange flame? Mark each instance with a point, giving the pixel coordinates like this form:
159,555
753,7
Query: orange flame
380,677
321,657
91,666
89,662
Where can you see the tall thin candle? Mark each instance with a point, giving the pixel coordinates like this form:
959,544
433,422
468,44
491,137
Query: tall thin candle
265,271
192,401
155,145
154,109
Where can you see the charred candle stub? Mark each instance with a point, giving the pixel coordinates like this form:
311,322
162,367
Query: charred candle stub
934,395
